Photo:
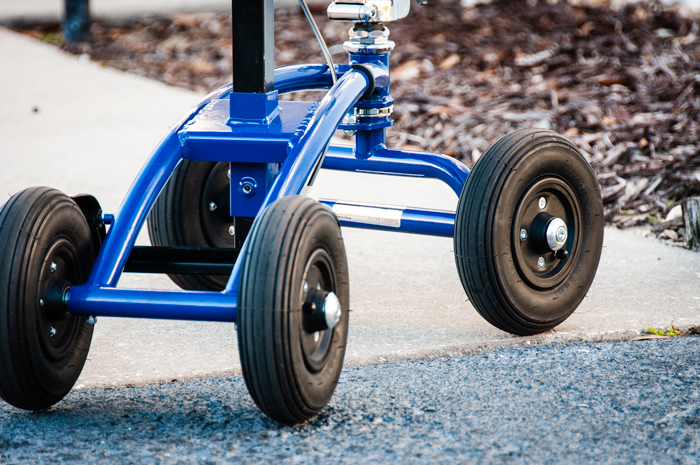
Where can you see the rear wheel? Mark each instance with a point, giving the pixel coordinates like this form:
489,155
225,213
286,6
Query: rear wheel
529,231
47,247
194,211
293,309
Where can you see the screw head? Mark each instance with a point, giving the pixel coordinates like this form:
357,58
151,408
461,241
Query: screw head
231,231
212,206
542,203
52,331
54,267
523,235
541,263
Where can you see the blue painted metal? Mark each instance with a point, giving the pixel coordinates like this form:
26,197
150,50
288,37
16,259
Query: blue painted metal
369,142
212,136
129,219
412,220
398,163
141,303
307,153
246,107
250,183
306,77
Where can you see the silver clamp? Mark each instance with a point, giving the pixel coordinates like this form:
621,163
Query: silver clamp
368,11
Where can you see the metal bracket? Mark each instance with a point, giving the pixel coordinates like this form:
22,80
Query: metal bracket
370,11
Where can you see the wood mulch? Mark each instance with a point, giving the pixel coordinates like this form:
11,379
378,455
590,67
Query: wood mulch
623,84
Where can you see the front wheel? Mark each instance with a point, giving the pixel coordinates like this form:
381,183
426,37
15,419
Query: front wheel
293,309
529,231
47,246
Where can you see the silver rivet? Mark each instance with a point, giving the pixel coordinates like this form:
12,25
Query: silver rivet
523,235
41,302
212,206
231,231
52,331
542,203
540,263
54,267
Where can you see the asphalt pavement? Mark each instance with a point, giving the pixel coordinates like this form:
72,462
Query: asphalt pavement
578,403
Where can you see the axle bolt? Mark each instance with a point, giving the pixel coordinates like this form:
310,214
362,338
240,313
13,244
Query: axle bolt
542,203
212,206
541,263
523,235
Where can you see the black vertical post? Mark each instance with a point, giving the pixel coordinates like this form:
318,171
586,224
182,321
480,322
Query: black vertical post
76,20
253,46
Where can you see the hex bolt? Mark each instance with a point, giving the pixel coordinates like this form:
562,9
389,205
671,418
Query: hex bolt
231,231
523,235
212,206
542,203
541,263
52,331
54,267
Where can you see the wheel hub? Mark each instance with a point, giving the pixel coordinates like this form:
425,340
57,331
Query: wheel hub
545,226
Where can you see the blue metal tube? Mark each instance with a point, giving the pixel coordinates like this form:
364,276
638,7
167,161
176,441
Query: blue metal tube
140,303
398,163
305,77
406,220
138,201
304,156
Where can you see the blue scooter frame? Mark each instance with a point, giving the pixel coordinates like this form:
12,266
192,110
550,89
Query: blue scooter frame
213,131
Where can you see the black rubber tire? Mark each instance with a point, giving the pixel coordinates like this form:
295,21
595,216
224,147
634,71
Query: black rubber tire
181,217
39,226
290,376
497,269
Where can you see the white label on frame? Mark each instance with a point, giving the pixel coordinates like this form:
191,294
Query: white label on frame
390,217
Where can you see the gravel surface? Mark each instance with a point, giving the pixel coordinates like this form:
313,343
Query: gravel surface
631,402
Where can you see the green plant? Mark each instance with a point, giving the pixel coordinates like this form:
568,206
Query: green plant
668,333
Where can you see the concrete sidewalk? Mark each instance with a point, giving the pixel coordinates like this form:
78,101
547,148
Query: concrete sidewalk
71,124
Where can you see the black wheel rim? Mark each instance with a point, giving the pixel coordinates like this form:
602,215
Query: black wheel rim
215,207
56,334
318,275
536,263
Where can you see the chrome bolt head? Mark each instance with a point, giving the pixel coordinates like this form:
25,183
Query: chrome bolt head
41,302
542,203
523,235
212,206
231,231
54,267
541,263
332,310
91,320
556,234
52,331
